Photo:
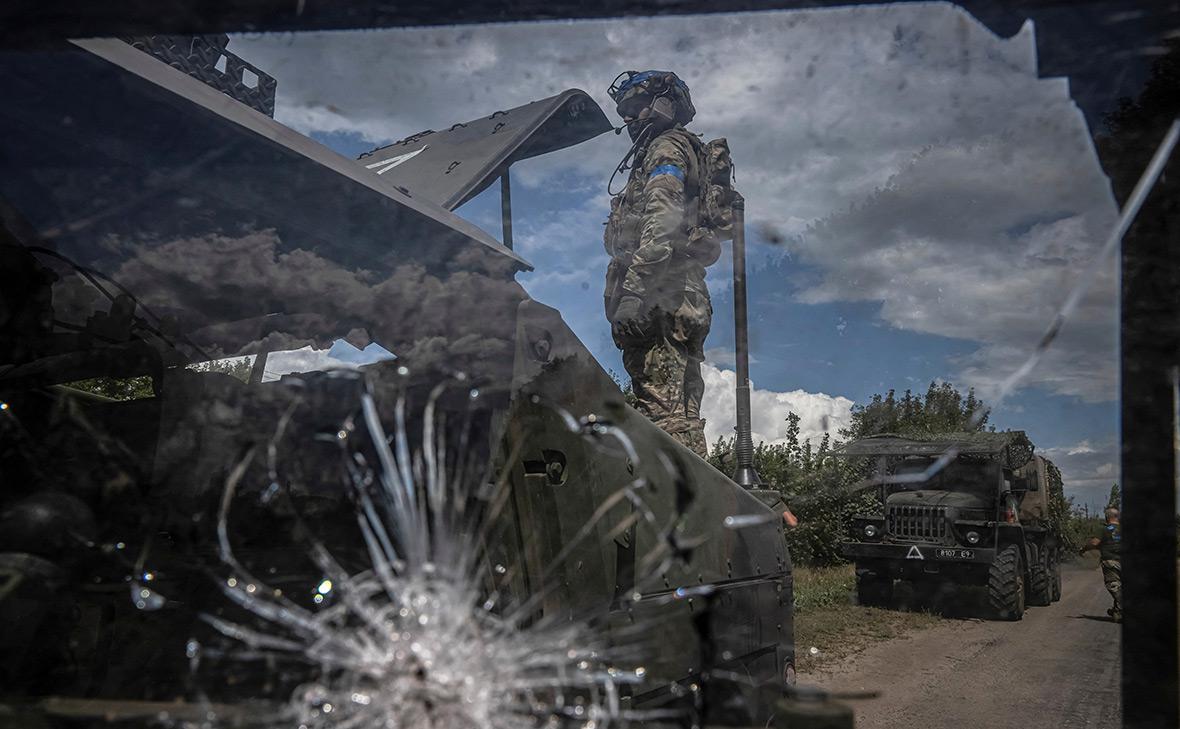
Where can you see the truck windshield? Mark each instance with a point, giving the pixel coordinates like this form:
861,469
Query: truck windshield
980,477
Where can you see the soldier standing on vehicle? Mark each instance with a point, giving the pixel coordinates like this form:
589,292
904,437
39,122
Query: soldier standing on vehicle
656,298
1108,546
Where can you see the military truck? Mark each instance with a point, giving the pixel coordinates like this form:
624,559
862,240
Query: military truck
962,509
157,231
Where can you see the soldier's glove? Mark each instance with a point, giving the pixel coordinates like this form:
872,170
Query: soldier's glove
629,320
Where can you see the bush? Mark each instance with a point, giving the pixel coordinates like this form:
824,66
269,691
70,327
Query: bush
819,488
1078,528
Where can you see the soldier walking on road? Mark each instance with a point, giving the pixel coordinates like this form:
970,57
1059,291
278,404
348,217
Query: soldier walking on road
656,298
1108,547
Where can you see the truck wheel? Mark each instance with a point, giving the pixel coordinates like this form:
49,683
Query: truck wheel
1005,584
874,590
1040,588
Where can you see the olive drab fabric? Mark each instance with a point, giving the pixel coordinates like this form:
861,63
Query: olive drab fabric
649,235
659,251
1110,552
665,368
1110,544
717,192
1112,577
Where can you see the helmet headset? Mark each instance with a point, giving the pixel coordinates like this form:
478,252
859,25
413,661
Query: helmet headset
657,98
649,102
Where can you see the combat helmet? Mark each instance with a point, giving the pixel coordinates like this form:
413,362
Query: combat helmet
652,100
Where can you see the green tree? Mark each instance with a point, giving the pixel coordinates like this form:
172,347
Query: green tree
1078,527
236,368
942,410
116,388
1115,501
138,388
1064,516
792,436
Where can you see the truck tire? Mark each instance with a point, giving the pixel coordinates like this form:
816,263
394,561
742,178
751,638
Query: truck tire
874,590
1040,583
1005,584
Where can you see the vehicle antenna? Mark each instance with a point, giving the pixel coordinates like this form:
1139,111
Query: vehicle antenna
745,475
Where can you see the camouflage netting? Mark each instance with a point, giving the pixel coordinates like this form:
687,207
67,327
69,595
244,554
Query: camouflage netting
1011,448
1059,507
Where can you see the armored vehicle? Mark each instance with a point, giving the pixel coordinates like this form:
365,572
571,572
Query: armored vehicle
964,509
213,329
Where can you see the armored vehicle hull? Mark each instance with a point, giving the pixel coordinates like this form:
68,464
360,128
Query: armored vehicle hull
158,237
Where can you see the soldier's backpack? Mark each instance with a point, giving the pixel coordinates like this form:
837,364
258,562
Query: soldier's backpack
715,199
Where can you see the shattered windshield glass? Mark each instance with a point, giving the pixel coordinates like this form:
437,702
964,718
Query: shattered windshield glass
743,369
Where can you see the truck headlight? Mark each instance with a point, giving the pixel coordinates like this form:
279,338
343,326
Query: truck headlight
871,531
972,537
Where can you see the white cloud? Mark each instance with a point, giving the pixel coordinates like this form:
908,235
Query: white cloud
563,230
310,359
818,413
725,357
721,356
306,359
1088,469
992,263
905,153
821,106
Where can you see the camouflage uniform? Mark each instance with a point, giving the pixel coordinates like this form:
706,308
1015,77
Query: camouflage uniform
1109,551
658,257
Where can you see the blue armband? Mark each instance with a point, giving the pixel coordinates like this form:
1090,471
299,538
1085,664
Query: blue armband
667,170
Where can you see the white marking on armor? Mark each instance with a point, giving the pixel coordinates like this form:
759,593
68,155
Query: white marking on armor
914,553
395,161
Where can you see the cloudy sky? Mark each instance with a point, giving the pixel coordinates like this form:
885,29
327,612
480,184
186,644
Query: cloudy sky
919,200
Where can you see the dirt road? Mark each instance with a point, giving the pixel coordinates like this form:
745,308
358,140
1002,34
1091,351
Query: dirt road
1058,667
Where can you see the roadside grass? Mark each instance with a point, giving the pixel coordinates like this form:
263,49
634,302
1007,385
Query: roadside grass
821,587
826,618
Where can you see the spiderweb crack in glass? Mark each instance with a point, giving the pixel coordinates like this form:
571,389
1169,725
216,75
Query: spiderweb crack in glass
415,641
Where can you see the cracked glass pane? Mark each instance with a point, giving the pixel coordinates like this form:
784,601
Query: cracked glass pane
312,415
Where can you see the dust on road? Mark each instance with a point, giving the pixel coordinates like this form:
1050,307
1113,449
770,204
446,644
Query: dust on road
1058,667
